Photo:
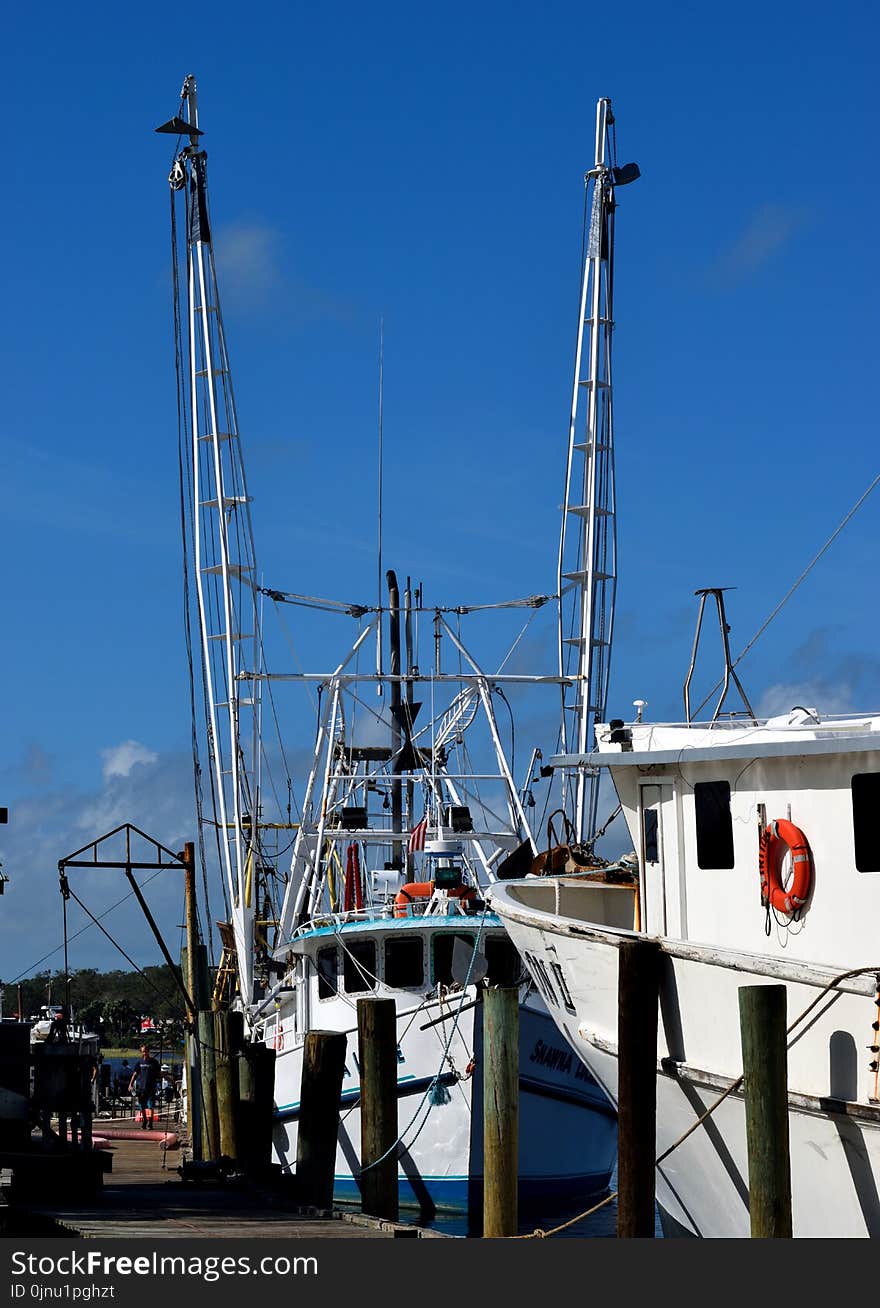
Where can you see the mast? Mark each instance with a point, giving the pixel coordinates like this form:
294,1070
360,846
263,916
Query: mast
224,556
587,563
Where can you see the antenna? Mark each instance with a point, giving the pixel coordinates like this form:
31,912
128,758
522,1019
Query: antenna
379,668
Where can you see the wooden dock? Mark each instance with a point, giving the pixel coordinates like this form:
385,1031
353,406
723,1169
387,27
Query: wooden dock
143,1197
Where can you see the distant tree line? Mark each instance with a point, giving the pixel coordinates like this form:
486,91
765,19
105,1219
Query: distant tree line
111,1003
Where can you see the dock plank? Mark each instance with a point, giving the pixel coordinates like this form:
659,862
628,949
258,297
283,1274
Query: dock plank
144,1198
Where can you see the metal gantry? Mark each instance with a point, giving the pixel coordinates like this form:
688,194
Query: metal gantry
587,562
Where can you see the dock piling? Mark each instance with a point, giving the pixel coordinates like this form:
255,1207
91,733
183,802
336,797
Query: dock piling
227,1083
377,1056
638,990
256,1092
500,1110
317,1137
210,1122
762,1019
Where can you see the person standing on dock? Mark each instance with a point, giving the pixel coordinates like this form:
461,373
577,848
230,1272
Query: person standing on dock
144,1083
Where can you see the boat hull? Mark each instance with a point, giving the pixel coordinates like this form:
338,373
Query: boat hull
567,1128
702,1187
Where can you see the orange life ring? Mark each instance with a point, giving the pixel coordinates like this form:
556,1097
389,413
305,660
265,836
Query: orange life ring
424,890
778,839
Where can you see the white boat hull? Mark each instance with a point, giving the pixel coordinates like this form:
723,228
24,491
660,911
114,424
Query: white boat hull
702,1187
567,1129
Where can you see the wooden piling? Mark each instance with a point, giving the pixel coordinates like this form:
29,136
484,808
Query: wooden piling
500,1110
638,991
762,1020
256,1090
377,1056
210,1123
316,1141
227,1085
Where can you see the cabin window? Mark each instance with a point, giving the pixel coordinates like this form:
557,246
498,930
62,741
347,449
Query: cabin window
359,966
444,948
714,824
865,802
651,825
327,963
404,962
503,964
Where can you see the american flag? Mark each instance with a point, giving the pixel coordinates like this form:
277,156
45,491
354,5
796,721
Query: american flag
417,836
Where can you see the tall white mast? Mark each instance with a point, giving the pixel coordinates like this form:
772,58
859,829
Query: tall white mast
587,567
225,564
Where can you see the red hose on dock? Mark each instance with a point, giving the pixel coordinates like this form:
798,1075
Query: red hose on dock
108,1134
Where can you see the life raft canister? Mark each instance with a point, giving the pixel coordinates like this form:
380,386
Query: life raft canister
779,838
424,890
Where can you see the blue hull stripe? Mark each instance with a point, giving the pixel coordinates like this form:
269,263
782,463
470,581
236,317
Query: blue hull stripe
457,1192
405,1088
418,1085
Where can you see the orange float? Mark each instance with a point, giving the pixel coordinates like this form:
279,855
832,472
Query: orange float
781,837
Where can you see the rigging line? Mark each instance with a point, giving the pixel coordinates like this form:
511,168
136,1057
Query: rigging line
316,703
360,610
287,771
791,590
21,976
116,944
509,653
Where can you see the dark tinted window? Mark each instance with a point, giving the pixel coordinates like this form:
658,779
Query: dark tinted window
866,803
443,947
359,966
714,824
504,966
328,972
651,847
404,962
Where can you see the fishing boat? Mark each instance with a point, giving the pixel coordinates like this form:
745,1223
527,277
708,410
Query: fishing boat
756,842
410,810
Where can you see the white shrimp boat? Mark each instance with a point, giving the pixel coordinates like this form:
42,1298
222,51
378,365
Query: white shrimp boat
756,843
406,817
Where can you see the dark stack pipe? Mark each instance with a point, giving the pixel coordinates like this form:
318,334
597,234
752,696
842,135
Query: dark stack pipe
394,646
410,789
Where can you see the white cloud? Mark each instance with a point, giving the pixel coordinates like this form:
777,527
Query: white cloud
767,231
55,820
247,261
120,759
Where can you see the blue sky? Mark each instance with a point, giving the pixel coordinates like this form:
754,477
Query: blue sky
426,166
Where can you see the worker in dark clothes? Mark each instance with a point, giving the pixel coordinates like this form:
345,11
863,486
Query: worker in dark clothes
144,1083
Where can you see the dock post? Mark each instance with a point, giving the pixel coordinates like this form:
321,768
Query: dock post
189,968
317,1137
208,1065
762,1021
256,1092
638,994
500,1110
227,1084
377,1056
